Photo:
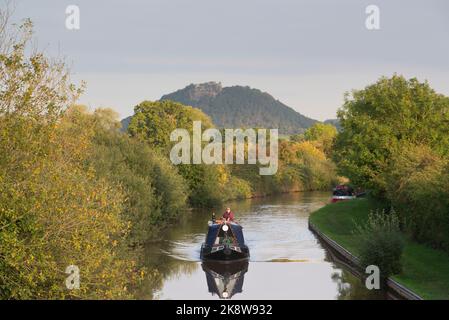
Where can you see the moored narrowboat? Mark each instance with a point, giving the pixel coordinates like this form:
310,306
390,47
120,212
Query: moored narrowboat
345,192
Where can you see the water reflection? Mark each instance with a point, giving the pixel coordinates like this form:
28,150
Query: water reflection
225,279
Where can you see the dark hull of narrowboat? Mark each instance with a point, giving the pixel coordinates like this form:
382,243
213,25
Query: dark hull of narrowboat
224,255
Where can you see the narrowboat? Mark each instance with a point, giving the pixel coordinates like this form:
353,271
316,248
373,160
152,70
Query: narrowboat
224,242
345,192
342,192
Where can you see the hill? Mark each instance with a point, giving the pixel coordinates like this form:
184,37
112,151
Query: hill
241,107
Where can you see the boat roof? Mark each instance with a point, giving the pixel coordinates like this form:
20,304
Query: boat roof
214,228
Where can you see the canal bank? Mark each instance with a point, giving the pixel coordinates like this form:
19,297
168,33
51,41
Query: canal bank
425,272
394,290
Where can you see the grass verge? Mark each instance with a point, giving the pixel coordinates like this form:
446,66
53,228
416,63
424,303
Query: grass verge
425,270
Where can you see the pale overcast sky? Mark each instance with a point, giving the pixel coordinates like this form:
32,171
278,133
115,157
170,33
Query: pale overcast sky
304,53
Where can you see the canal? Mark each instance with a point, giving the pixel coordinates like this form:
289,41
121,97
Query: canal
287,260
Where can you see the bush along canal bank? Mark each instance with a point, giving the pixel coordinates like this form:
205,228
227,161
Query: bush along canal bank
425,271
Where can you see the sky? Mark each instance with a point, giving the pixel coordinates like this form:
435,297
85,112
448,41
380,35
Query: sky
306,54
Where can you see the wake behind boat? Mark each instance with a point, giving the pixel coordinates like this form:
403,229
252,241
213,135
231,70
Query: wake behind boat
224,242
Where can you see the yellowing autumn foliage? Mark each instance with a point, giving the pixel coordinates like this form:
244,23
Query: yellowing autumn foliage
54,211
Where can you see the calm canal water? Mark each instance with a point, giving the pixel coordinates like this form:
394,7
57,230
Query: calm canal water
287,261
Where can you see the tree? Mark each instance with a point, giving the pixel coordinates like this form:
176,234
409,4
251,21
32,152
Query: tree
378,119
54,212
155,192
322,135
417,185
32,85
153,122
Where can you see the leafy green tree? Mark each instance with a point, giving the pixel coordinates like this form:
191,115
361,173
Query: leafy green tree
417,185
377,120
153,122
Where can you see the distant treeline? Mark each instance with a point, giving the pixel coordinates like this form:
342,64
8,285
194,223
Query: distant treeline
303,161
